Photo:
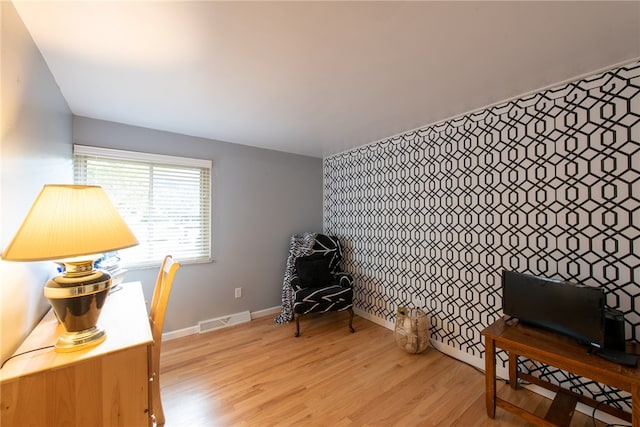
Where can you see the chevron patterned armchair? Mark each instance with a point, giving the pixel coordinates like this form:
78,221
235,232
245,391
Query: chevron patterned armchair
318,283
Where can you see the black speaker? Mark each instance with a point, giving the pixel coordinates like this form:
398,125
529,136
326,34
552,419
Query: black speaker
614,329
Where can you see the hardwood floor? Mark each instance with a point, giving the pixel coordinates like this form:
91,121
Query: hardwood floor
258,374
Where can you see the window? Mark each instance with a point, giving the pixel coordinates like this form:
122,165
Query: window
165,200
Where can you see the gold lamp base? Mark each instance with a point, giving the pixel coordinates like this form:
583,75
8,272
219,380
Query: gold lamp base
77,298
74,341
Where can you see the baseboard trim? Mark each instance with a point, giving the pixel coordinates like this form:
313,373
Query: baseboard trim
172,335
191,330
266,312
474,361
382,322
224,321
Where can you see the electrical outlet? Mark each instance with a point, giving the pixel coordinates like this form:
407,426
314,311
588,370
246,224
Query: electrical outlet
238,292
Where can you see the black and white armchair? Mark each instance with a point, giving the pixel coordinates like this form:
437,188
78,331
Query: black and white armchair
318,283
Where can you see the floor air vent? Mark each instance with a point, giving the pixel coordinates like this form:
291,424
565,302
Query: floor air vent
224,321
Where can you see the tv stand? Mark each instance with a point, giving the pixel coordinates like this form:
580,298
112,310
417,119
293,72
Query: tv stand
563,353
619,357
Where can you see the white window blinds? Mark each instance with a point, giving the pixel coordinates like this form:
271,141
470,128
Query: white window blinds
165,200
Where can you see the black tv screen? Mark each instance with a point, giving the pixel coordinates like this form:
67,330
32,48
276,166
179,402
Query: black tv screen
571,309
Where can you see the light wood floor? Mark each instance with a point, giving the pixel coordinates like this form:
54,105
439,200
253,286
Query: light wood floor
258,374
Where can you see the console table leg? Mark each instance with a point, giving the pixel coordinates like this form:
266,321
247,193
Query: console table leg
513,370
490,376
635,405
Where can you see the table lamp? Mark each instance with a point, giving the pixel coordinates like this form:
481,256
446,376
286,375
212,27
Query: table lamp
73,225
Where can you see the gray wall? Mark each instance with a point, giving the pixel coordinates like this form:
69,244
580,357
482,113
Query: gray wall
259,199
35,149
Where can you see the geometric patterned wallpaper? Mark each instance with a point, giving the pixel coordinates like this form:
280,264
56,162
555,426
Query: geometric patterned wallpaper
546,184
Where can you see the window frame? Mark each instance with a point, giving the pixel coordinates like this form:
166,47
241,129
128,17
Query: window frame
151,159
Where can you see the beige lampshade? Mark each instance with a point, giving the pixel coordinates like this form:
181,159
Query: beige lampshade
68,221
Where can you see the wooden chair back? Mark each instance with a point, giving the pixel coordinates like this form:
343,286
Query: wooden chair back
157,312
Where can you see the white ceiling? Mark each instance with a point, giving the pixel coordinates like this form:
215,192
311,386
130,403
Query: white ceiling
316,78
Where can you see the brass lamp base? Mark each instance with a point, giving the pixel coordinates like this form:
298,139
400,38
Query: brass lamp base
77,298
74,341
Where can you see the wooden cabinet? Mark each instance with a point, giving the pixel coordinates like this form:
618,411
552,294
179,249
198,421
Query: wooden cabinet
107,385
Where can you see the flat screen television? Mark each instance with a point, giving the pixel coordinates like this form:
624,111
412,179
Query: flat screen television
574,310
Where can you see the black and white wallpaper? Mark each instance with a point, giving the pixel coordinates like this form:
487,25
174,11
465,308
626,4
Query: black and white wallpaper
546,184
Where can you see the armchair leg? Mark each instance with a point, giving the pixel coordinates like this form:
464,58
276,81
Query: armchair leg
351,320
297,316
